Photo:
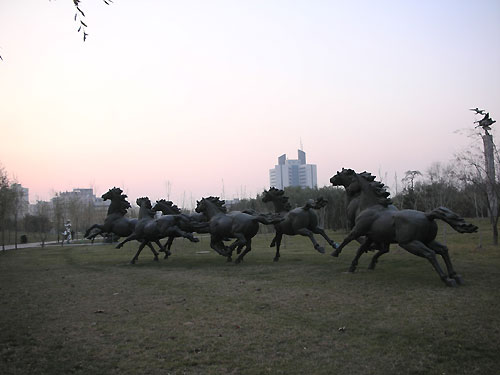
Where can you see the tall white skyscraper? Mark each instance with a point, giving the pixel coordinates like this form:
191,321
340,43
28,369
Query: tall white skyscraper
293,172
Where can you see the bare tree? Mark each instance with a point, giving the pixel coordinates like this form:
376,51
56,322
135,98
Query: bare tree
475,168
409,181
5,202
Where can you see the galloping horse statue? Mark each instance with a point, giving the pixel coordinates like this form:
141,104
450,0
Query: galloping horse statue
185,223
382,224
115,221
148,229
236,224
302,220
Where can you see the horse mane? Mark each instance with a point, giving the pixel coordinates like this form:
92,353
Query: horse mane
217,202
378,188
123,203
280,197
170,205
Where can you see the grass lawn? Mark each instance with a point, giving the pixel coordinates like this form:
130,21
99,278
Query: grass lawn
86,310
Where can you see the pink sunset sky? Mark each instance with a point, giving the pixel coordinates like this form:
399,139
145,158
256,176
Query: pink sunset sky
201,97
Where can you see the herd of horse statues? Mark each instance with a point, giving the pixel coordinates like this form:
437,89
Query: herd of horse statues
373,221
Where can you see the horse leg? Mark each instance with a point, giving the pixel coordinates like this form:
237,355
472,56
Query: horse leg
350,237
239,248
382,251
306,232
248,247
273,242
168,245
215,244
136,256
98,226
153,249
133,236
322,232
239,243
418,248
162,248
364,246
278,238
442,250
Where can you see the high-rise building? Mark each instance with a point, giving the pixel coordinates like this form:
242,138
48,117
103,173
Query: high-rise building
293,172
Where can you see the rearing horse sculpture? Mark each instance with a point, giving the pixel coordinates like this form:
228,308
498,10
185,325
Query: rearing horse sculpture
382,224
115,221
301,220
236,224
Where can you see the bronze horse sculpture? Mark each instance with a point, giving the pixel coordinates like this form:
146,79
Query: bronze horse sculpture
116,223
382,224
242,226
185,223
149,229
301,220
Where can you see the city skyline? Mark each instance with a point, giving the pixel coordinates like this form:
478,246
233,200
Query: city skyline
185,100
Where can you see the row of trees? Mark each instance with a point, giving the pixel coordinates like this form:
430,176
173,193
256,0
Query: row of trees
43,219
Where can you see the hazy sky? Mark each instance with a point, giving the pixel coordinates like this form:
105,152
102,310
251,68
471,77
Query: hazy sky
205,95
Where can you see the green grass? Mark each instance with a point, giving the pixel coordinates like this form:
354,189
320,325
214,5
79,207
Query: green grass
86,310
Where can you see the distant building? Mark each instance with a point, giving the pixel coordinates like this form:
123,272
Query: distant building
293,172
83,196
24,199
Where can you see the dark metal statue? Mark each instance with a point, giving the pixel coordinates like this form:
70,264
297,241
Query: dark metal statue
485,122
383,225
115,221
242,226
148,229
301,220
185,223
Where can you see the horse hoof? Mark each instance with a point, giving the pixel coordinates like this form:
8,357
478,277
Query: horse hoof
276,259
335,254
459,279
195,240
238,261
132,261
320,249
155,259
351,269
450,282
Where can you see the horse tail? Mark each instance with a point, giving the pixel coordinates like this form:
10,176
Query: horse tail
455,221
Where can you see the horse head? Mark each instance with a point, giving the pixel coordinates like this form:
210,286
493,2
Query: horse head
166,207
277,196
210,204
362,184
143,202
113,194
344,178
119,203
